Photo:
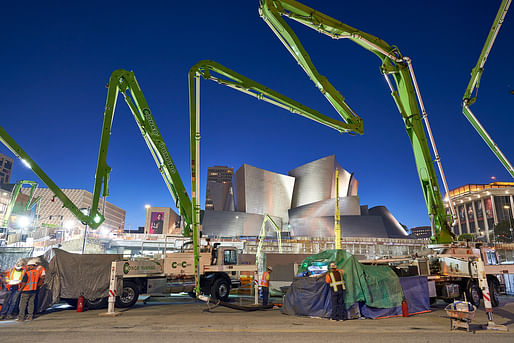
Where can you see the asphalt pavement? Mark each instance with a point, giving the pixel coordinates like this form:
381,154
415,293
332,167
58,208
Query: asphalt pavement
182,319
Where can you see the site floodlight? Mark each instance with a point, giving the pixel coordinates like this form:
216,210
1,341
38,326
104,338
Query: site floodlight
23,221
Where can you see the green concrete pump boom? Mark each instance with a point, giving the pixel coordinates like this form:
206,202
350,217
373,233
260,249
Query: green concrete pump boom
213,71
406,94
122,81
31,202
474,83
93,219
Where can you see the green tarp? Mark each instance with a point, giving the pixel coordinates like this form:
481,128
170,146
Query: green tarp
377,286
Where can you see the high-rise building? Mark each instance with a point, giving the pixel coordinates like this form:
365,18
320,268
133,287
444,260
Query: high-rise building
219,194
6,164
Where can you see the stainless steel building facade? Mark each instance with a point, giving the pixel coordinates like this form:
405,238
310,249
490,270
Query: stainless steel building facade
303,202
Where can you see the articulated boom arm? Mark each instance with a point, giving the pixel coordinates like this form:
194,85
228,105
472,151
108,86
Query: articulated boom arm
31,202
213,71
93,219
474,83
406,94
122,81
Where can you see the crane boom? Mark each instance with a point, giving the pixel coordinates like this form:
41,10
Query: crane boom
124,82
216,72
406,94
474,83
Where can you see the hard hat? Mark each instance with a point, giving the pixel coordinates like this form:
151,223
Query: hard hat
333,265
270,268
32,262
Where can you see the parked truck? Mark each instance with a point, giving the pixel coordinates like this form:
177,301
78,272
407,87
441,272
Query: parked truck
451,272
219,267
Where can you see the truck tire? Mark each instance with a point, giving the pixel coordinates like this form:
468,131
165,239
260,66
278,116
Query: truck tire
95,304
128,296
494,291
220,289
473,293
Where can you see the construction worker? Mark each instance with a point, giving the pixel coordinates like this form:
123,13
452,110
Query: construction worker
42,274
334,278
265,285
29,286
13,281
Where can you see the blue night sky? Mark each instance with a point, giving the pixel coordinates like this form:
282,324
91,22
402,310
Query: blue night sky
57,57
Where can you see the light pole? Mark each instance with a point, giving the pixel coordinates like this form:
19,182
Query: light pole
507,207
86,212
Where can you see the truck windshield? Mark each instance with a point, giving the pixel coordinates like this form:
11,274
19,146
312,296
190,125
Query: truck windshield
229,257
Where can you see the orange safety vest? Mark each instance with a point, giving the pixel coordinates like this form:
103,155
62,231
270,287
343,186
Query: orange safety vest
265,279
33,279
335,279
15,275
42,273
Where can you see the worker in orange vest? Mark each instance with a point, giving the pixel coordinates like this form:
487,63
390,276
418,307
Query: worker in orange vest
29,286
12,281
334,278
265,285
42,274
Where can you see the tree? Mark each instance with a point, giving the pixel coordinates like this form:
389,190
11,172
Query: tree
502,231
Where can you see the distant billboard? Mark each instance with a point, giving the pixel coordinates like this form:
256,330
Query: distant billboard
156,223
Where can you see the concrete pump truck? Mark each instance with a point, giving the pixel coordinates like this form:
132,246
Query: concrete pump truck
453,268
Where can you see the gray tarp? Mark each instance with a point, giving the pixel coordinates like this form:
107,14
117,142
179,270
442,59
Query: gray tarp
72,275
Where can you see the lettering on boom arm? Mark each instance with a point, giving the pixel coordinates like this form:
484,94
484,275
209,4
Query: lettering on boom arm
160,145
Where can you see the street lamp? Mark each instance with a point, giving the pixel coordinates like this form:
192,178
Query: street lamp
507,207
86,212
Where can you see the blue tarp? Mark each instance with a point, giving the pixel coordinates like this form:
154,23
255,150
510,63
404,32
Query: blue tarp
309,296
415,289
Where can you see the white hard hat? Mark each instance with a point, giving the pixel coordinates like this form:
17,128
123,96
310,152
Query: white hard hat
32,262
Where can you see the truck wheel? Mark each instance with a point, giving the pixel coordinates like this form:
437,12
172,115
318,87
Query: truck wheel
473,293
494,292
94,304
220,289
128,296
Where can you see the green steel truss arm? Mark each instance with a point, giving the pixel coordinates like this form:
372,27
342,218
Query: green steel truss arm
476,73
93,219
406,93
267,218
122,81
213,71
30,203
